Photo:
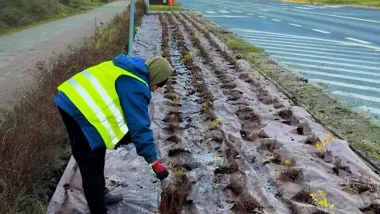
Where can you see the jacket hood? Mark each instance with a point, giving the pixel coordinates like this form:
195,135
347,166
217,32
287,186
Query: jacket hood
135,65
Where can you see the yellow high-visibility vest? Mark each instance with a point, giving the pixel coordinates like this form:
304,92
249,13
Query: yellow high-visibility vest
93,92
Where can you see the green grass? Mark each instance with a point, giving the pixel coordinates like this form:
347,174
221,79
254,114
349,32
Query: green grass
165,8
361,131
371,3
17,15
240,45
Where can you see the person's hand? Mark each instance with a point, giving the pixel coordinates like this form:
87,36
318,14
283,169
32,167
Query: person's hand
160,170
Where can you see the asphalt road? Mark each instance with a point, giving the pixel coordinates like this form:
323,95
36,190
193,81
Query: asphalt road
336,46
19,52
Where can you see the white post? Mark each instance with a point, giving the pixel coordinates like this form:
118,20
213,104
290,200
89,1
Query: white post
131,27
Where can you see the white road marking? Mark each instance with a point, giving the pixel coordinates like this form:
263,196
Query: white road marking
304,8
303,47
295,25
237,11
276,20
340,76
210,11
304,37
259,5
370,109
278,41
251,14
311,6
320,31
325,56
225,16
263,17
334,6
238,30
347,85
327,62
358,96
333,69
286,39
262,10
344,17
224,11
346,56
358,40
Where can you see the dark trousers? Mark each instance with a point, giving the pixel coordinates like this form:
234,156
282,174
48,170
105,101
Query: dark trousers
90,162
91,165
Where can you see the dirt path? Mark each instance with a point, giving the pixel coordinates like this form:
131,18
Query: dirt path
19,52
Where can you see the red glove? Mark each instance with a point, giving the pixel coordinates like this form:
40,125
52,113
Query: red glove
160,170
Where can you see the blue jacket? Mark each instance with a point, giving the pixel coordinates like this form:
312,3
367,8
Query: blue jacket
134,99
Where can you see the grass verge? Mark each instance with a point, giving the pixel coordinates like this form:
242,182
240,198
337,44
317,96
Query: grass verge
370,3
33,141
18,14
176,7
362,132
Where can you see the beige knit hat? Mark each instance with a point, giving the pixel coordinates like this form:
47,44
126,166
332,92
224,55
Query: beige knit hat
159,69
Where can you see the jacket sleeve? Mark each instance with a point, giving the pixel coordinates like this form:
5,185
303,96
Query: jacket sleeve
134,100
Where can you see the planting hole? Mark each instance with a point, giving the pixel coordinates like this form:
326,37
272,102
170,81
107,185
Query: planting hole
292,175
265,99
246,204
172,118
303,197
177,151
245,113
270,145
171,128
285,114
174,139
250,131
174,195
237,183
300,130
228,86
216,135
371,209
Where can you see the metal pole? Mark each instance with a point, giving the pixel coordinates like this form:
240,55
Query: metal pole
147,6
131,27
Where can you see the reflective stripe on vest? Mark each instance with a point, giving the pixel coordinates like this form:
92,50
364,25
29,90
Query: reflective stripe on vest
93,92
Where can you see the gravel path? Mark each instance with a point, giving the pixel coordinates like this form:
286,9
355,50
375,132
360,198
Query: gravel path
19,52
